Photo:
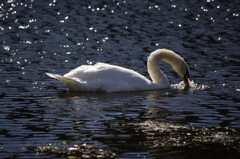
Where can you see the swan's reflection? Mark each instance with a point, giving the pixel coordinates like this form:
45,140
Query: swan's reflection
143,104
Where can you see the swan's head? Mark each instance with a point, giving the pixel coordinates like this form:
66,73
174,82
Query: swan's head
183,71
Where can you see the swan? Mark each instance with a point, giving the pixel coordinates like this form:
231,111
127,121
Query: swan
112,78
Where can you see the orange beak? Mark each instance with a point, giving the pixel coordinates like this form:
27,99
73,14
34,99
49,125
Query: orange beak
185,79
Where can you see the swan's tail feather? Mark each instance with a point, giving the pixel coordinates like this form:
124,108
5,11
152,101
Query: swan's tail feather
70,83
52,75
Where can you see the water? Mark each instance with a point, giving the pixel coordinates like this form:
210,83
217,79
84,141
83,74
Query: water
39,119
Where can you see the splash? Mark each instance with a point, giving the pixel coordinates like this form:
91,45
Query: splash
193,86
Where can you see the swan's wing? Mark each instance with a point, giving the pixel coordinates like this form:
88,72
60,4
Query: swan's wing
103,77
118,78
106,72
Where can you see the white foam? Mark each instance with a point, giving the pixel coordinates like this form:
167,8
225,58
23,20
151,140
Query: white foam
193,86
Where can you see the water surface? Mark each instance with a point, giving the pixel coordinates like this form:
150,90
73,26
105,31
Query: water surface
40,119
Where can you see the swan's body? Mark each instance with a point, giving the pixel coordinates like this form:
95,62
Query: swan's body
111,78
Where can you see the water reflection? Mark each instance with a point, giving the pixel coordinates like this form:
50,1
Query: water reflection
132,124
125,103
167,140
99,105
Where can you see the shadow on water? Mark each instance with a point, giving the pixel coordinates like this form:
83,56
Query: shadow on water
130,125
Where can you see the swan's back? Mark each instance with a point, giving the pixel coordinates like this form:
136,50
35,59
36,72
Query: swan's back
104,77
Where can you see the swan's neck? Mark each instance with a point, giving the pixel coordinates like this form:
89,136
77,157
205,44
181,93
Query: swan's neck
156,74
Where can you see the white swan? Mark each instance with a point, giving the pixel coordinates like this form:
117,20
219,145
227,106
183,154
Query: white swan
111,78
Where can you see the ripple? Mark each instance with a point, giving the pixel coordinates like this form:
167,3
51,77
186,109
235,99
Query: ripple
57,36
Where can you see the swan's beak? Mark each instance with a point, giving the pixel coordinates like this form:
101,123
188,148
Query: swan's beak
185,79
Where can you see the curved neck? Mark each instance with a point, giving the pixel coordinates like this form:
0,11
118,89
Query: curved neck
156,74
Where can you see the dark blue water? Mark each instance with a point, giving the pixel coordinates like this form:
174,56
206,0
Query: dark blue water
39,119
